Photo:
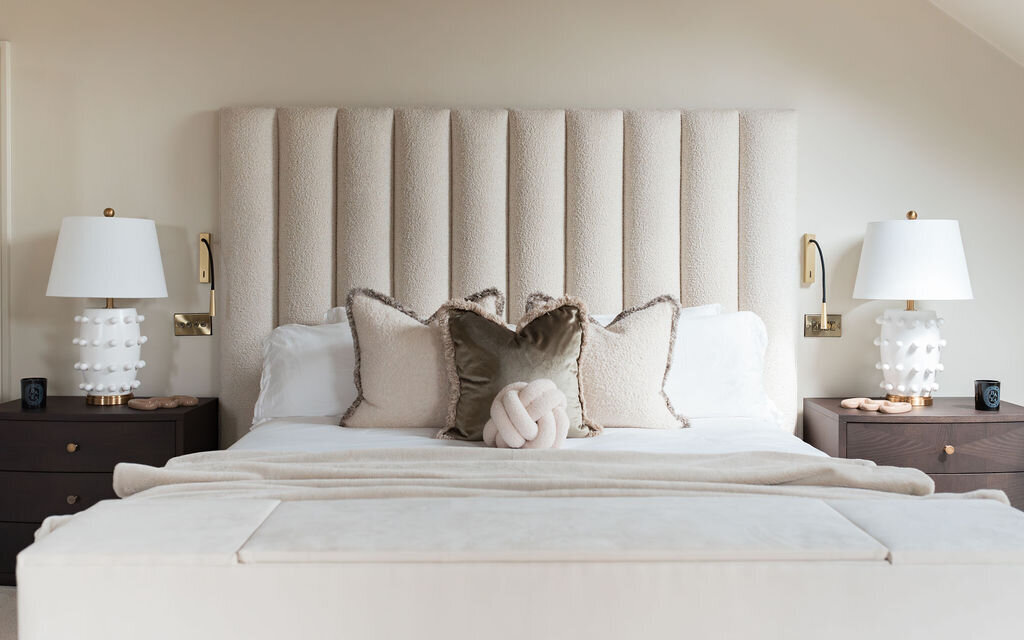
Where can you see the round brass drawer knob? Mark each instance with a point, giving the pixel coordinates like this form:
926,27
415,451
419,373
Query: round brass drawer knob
71,447
949,449
72,499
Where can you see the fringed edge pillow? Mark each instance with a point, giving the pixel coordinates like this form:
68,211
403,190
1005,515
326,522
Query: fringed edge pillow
482,355
626,364
399,370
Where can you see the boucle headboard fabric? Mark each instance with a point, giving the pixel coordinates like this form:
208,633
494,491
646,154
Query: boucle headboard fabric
613,206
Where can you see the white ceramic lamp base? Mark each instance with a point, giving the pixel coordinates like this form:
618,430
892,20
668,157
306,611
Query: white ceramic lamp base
110,344
910,347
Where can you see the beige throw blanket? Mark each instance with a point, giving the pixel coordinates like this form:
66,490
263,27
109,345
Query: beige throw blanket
456,472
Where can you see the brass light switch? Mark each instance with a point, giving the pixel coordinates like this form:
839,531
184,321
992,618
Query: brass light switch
193,324
813,328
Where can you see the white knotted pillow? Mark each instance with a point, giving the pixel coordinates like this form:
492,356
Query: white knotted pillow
528,416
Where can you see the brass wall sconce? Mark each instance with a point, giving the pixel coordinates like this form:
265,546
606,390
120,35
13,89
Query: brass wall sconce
200,324
823,325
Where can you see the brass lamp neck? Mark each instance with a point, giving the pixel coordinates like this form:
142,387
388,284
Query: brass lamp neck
910,305
110,303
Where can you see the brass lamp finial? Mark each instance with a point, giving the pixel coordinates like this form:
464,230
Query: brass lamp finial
108,213
911,215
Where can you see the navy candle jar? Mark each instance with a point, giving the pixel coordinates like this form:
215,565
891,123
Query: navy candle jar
33,393
986,395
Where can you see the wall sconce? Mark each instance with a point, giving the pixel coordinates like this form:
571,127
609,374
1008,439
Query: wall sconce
824,325
200,324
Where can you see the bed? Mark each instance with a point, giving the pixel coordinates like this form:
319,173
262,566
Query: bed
728,528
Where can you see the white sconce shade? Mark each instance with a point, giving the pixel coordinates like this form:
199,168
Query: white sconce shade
101,257
913,260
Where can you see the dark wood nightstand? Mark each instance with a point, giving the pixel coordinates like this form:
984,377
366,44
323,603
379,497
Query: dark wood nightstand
61,459
960,448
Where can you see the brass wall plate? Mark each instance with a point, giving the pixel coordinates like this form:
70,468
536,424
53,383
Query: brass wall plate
204,259
193,324
810,260
813,329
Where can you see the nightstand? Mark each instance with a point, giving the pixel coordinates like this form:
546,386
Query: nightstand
960,448
60,459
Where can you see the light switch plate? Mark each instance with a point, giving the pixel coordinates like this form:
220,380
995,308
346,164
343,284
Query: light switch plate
813,328
193,324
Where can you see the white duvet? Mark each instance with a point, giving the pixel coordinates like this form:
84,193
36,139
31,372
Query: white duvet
707,435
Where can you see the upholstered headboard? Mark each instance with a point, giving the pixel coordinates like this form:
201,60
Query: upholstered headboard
614,206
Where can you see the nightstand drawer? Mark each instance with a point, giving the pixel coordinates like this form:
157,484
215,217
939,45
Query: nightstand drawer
31,496
976,447
82,446
1011,483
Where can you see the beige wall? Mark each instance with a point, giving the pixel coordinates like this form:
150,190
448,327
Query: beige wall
114,105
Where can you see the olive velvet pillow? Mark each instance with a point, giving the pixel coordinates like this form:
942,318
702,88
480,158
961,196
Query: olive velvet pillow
482,355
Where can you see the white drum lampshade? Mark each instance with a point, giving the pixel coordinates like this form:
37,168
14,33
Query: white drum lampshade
108,257
912,260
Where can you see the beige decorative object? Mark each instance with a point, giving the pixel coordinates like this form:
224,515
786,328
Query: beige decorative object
869,404
171,402
483,356
528,415
400,370
626,363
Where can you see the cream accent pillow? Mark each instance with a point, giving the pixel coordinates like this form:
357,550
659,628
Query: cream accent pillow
625,366
400,373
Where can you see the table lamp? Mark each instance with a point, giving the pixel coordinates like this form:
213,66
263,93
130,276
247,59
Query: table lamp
107,257
911,260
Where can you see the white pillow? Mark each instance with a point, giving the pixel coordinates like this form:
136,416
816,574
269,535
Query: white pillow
307,371
335,315
718,368
684,312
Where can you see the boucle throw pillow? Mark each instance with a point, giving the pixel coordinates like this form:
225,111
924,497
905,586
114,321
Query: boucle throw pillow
482,356
400,372
625,365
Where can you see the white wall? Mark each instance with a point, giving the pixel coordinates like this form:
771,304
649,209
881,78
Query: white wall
115,101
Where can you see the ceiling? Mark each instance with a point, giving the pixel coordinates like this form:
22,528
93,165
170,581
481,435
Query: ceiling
1000,22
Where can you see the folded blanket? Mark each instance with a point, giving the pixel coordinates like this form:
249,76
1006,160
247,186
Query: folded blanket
382,473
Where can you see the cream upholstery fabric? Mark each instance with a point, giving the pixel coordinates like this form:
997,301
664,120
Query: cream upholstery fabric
365,139
767,227
536,205
425,204
710,159
305,257
593,208
479,199
247,252
421,247
650,231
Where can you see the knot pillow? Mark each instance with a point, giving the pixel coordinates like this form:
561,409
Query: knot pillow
528,415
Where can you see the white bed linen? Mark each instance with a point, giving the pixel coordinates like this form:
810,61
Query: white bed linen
705,435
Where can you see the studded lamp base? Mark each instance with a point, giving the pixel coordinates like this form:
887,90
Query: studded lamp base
910,346
110,344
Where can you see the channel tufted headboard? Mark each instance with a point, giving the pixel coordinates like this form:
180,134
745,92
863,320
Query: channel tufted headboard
610,205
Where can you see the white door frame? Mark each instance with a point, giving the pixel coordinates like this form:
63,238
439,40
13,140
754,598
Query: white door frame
6,152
